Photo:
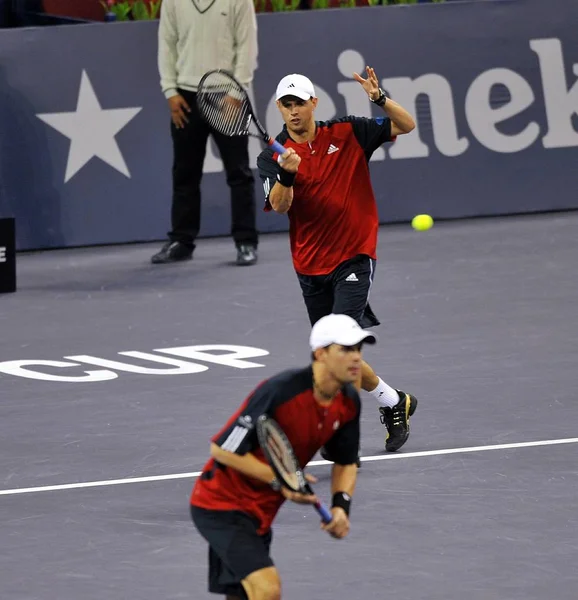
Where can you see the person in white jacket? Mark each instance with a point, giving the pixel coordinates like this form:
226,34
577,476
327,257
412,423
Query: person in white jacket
196,36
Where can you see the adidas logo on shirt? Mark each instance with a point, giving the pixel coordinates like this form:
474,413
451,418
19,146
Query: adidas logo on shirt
332,149
352,277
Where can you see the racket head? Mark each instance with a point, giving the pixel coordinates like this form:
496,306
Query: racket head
224,103
280,455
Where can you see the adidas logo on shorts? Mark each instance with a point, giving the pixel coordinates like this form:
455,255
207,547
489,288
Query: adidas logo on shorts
352,277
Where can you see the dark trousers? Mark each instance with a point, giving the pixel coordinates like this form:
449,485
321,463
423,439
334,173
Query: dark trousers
189,147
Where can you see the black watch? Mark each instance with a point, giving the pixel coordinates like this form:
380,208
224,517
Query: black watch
381,99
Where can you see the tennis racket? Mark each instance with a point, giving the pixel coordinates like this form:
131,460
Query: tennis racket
224,104
280,455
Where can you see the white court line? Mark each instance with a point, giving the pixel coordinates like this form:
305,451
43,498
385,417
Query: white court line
313,463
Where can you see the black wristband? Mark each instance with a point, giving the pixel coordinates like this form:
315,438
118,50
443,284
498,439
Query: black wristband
381,99
285,178
342,500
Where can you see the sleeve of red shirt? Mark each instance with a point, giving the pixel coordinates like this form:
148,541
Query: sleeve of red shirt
268,169
371,133
239,434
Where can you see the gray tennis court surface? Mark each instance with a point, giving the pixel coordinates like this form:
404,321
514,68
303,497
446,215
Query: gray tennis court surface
479,320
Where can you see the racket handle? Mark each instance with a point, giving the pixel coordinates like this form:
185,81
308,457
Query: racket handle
325,513
277,147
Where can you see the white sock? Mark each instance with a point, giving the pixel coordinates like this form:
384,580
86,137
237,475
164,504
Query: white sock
385,395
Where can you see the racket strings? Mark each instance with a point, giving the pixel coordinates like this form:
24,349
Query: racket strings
283,460
224,104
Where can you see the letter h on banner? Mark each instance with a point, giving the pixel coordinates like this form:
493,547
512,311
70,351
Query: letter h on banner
7,256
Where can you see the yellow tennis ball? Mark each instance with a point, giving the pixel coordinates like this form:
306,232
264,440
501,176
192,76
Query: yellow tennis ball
422,222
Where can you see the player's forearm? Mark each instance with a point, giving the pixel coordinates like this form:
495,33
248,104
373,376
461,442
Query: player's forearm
247,464
399,116
281,198
343,478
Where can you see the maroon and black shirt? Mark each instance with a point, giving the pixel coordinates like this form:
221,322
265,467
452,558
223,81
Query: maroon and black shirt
288,398
334,215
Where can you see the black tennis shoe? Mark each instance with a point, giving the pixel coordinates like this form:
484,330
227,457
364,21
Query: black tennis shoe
396,421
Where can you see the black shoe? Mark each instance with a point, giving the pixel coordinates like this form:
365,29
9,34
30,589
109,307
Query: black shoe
246,254
172,252
396,421
326,456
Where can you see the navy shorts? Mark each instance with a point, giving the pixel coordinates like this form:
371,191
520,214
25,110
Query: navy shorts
235,548
343,291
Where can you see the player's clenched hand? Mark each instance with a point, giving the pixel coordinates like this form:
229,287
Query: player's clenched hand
301,498
179,109
370,85
297,497
290,161
339,525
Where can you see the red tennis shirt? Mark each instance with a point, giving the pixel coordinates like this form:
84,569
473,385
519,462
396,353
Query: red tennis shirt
334,215
288,398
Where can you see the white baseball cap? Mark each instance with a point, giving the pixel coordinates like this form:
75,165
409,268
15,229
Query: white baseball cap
295,85
338,329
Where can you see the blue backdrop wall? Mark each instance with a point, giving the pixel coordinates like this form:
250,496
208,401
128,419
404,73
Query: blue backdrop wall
85,151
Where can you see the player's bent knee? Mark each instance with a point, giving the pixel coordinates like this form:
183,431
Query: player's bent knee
263,584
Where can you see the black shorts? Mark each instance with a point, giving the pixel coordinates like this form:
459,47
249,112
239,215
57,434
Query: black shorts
235,548
343,291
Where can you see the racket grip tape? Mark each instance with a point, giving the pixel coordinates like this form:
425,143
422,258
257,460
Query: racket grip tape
277,147
324,512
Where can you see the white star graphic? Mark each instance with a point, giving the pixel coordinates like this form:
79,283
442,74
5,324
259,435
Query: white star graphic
91,130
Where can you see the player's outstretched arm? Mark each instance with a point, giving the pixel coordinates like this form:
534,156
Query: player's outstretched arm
401,121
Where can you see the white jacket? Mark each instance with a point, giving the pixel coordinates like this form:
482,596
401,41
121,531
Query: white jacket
196,36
